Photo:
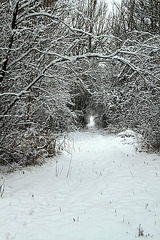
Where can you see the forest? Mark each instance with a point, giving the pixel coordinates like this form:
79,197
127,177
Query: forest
61,60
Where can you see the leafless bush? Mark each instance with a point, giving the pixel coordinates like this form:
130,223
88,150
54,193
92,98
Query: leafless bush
29,147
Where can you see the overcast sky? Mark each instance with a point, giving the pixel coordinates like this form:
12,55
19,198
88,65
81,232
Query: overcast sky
110,2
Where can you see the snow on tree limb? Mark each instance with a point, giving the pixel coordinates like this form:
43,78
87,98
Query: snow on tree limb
68,59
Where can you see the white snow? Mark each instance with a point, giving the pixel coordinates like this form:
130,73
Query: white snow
127,133
102,190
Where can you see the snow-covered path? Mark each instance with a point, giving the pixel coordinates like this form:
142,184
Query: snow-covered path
102,190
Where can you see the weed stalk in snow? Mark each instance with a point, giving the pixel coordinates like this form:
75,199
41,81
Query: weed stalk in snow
69,168
140,231
2,189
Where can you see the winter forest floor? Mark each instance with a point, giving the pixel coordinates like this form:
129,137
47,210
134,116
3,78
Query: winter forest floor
101,190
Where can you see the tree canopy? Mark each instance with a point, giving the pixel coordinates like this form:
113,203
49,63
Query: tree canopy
61,59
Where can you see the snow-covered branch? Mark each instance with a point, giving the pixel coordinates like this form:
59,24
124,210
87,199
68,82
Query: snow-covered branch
9,93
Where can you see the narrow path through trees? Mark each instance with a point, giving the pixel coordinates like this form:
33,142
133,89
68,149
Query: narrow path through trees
101,189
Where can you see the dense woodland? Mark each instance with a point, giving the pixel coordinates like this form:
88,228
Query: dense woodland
60,60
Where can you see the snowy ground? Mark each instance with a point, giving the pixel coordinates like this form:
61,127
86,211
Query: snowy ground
102,190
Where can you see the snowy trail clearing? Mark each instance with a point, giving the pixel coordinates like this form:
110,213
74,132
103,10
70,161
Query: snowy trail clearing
102,190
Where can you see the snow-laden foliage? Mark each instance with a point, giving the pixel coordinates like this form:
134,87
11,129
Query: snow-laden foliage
60,60
32,98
